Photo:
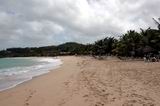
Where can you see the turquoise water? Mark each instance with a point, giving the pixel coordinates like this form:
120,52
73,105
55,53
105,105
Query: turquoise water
16,62
14,71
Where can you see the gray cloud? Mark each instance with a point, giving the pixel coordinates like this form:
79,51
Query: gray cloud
50,22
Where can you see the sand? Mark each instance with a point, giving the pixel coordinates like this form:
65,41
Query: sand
84,81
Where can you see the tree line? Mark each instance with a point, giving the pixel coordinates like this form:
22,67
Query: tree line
132,43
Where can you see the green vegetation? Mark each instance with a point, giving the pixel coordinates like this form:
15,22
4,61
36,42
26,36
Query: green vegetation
132,43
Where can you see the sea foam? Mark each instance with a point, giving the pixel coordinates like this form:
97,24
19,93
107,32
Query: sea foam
10,77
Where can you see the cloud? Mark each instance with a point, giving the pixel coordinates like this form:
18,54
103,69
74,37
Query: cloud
51,22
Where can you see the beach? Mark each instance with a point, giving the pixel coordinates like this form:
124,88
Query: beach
85,81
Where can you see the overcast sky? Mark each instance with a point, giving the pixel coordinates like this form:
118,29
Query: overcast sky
50,22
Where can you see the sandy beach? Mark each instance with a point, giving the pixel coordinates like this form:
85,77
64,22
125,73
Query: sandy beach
85,81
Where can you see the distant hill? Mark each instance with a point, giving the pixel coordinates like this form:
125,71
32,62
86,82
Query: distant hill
70,48
63,49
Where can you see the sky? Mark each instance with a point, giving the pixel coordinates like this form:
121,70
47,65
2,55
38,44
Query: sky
34,23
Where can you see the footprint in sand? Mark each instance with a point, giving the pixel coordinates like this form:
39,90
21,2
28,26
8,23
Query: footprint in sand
139,100
99,104
137,103
31,93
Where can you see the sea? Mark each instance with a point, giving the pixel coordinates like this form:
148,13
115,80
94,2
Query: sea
14,71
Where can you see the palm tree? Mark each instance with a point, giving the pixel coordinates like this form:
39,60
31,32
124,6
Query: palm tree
158,23
128,43
151,39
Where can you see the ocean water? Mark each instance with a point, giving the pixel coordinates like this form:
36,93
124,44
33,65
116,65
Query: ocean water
14,71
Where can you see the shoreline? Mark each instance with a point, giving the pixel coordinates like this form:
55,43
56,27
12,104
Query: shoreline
44,71
27,81
85,81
